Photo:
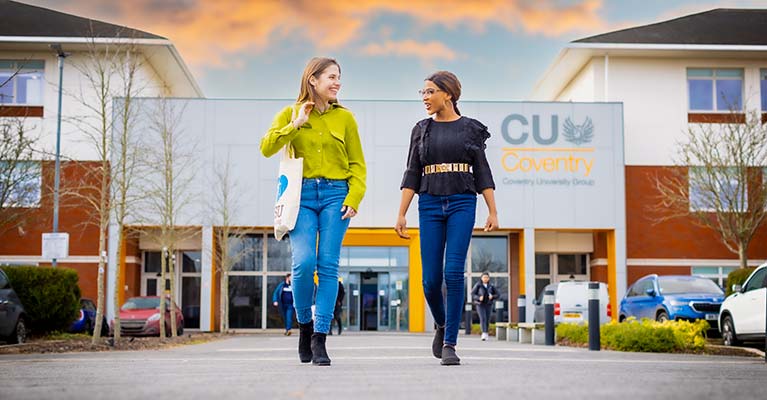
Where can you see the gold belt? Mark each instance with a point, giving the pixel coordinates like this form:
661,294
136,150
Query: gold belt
446,167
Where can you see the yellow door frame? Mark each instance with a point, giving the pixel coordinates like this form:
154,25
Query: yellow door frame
387,237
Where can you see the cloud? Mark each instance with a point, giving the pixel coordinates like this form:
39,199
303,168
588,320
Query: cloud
214,33
426,52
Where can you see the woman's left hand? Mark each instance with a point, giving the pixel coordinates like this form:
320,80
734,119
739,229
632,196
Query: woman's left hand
492,223
348,212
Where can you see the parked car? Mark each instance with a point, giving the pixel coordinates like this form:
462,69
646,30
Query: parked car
742,316
672,297
86,321
571,303
140,316
13,326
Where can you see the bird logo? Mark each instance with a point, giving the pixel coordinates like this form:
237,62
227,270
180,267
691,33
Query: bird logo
578,134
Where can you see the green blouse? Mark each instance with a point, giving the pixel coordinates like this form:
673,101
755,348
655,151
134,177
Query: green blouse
328,142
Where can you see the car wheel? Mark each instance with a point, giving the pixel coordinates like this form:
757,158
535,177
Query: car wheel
180,330
89,328
621,318
104,328
662,316
19,334
728,332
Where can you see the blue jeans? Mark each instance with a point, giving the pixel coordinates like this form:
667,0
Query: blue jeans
446,224
287,310
316,243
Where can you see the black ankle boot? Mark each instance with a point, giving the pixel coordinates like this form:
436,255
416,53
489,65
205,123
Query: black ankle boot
448,355
319,354
305,341
439,338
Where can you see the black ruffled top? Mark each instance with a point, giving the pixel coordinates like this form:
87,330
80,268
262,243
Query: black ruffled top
459,141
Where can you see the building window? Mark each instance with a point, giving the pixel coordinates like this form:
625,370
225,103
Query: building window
21,82
20,183
711,191
715,90
717,274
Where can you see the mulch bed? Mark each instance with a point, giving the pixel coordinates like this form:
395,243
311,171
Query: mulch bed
713,347
82,343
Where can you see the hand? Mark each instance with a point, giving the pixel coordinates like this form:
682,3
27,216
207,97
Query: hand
275,304
303,114
492,223
481,298
490,297
348,212
401,227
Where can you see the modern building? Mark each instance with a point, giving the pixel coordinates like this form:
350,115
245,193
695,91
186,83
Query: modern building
670,76
571,170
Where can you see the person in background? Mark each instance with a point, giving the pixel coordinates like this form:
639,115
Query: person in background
483,294
339,307
325,135
447,167
282,297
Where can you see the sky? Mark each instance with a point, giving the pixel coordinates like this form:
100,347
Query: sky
258,49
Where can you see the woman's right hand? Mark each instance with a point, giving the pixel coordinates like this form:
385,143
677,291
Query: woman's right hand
401,227
303,114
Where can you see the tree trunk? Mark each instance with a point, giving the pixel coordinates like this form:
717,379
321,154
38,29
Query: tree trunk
742,248
116,279
172,272
163,265
100,289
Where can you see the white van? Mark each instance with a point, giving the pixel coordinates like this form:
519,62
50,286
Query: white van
571,303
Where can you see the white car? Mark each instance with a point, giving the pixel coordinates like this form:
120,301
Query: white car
742,316
571,303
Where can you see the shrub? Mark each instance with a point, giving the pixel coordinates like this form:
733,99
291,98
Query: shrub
644,336
737,277
573,334
476,330
51,297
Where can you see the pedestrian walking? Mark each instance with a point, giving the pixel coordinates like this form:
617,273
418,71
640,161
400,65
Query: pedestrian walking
282,297
483,294
325,135
339,307
447,167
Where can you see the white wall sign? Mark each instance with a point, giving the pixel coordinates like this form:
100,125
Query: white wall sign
55,245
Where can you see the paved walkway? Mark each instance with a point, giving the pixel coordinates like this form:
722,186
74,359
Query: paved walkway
378,366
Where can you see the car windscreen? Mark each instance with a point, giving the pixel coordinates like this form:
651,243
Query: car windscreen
679,285
138,303
573,292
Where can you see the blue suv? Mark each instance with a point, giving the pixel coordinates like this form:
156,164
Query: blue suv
672,297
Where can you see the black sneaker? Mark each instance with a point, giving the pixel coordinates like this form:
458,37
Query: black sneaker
436,344
305,341
319,353
448,355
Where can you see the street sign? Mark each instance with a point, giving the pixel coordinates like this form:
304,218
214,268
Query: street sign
55,245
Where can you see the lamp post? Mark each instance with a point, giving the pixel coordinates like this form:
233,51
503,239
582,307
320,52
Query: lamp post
61,55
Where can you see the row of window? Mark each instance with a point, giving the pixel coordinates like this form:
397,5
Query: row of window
720,89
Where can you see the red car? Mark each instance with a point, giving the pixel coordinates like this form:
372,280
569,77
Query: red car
140,316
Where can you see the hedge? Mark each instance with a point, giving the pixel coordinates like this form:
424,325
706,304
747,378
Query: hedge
51,297
644,336
737,277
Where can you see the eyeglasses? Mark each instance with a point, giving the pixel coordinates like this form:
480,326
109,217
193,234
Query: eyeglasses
428,91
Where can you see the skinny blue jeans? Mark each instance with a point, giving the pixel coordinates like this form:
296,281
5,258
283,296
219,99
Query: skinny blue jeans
446,224
316,243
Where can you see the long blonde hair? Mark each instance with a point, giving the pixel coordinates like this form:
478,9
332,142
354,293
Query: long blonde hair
314,68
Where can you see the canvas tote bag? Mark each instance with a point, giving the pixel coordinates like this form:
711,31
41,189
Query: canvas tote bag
288,202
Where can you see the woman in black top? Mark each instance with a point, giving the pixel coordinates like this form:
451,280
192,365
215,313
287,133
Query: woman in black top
447,166
483,294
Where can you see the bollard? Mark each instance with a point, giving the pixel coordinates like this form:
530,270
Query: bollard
498,311
594,339
548,308
467,308
522,309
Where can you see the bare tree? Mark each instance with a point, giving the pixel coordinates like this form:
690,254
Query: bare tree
20,172
719,181
166,191
227,251
108,71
